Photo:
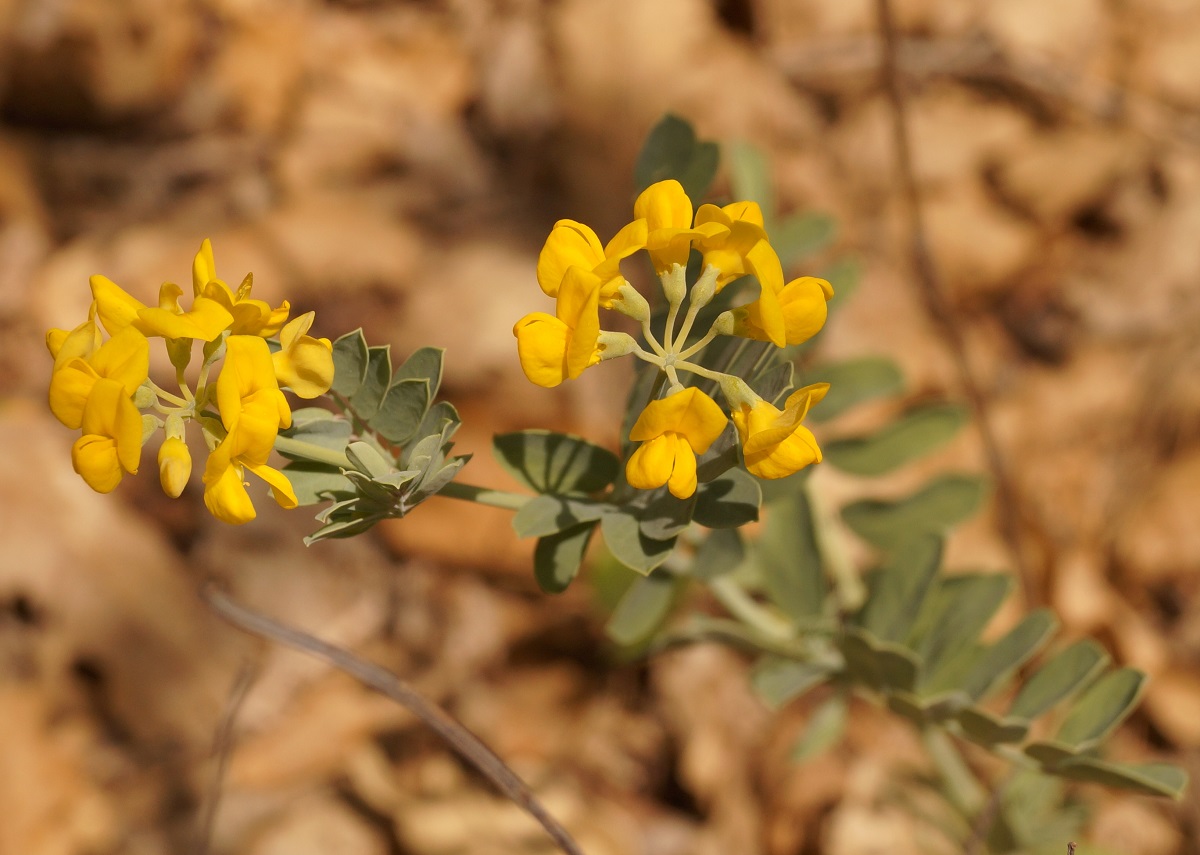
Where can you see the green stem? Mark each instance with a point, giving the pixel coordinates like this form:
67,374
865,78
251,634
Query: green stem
707,373
701,629
700,345
742,606
167,396
648,334
962,786
310,451
847,585
485,496
669,328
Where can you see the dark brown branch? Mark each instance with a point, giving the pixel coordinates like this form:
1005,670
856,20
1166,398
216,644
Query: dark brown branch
934,296
466,744
222,748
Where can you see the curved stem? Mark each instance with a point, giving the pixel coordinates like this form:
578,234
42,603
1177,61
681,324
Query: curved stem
651,340
847,584
953,769
466,744
485,496
707,373
700,345
688,320
743,607
669,328
167,396
310,451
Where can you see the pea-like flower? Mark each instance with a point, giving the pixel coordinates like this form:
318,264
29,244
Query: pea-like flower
123,359
102,387
252,411
204,321
802,304
111,444
667,211
225,493
774,443
573,244
249,316
673,430
252,407
555,347
303,364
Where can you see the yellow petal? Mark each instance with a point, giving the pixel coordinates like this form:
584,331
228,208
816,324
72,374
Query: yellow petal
295,329
578,307
542,348
69,390
625,243
666,459
125,358
664,205
748,212
774,443
248,368
205,321
306,368
802,303
82,341
110,413
791,453
303,364
712,214
569,244
689,412
95,459
683,473
174,466
204,267
116,308
225,493
281,487
650,465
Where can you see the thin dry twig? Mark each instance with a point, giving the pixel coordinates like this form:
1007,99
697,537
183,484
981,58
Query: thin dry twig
466,744
222,748
934,297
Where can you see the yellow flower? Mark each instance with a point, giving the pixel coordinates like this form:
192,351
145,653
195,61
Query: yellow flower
573,244
205,321
111,444
124,359
250,317
304,364
774,443
252,407
736,244
225,493
673,430
554,348
252,411
667,211
174,466
80,342
802,303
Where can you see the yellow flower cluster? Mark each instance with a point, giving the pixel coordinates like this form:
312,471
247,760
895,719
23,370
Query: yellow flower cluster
100,387
584,276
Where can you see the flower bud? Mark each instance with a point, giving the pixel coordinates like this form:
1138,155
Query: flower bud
174,466
674,284
738,393
614,344
632,304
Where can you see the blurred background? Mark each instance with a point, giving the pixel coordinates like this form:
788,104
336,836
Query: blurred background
397,165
